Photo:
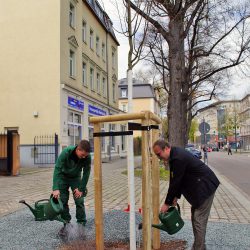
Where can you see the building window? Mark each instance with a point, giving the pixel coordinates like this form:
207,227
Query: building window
91,137
84,74
114,91
98,83
74,127
72,63
112,129
113,59
103,138
124,107
72,15
104,90
91,39
84,27
103,52
124,93
91,79
97,46
123,140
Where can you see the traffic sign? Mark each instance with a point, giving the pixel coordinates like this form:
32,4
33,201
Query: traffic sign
204,127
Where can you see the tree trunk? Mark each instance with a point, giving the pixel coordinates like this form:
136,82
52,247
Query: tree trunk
177,116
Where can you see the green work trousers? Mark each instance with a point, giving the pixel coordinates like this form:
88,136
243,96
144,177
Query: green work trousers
64,186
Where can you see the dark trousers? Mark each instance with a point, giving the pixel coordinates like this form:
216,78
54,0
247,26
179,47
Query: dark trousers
199,218
64,186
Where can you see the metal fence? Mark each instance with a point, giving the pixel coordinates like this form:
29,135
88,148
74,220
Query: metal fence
45,149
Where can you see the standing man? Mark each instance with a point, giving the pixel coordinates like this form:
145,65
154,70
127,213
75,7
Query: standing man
229,150
195,180
73,162
205,154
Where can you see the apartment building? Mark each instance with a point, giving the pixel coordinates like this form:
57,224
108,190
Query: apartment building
245,122
144,98
58,67
219,114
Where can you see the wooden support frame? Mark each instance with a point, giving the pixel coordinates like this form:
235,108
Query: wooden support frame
150,196
155,192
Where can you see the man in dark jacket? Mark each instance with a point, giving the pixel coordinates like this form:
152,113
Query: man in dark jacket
195,180
72,162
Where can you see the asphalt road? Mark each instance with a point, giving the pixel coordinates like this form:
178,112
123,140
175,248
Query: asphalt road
235,167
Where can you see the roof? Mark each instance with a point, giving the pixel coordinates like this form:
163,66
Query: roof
140,89
102,17
216,104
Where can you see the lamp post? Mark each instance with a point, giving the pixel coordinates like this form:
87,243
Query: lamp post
235,132
204,130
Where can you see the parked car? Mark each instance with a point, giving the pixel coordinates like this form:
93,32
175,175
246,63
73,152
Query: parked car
195,152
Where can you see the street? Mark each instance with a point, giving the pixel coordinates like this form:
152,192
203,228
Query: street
235,167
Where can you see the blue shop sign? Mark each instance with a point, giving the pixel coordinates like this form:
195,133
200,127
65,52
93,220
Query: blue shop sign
96,111
74,103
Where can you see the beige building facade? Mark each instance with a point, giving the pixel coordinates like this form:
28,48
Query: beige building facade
245,121
144,98
215,115
58,67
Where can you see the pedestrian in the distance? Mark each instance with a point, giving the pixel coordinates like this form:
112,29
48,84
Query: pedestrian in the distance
191,178
205,154
72,170
229,150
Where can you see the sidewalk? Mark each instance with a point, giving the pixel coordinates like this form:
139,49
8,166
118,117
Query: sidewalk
230,204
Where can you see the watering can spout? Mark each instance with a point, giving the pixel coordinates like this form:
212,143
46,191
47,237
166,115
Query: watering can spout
31,208
160,226
46,209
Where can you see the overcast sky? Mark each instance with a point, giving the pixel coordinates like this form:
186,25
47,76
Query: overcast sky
241,85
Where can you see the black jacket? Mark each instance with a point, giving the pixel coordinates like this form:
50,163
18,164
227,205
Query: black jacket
191,177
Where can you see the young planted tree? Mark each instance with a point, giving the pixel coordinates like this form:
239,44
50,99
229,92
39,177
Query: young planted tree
194,43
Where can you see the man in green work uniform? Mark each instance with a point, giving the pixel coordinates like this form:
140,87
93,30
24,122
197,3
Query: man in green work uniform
67,174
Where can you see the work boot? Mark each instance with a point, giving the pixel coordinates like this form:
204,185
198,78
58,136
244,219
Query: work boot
82,223
63,230
81,229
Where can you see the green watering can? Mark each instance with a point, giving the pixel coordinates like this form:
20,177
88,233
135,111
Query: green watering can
171,221
47,209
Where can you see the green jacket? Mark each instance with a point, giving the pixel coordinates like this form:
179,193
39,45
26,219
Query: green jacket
66,167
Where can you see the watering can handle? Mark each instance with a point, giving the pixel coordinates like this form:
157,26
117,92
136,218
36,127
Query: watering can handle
178,208
42,200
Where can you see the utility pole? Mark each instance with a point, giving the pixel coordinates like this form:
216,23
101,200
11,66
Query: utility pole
235,132
204,130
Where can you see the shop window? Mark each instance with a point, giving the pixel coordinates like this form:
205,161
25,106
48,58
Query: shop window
74,128
112,129
91,137
103,138
123,128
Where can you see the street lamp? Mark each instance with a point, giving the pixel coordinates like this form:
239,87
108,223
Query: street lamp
204,130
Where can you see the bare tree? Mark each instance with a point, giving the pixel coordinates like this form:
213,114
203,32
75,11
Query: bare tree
194,43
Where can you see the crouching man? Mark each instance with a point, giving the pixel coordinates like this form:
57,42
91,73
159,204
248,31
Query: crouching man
72,170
